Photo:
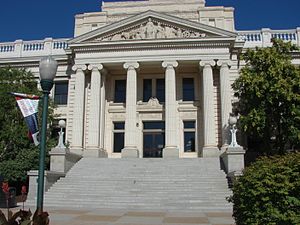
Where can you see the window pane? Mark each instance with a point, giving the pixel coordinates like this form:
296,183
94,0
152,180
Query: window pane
188,89
119,125
189,124
118,142
147,90
61,93
154,125
160,90
189,141
120,90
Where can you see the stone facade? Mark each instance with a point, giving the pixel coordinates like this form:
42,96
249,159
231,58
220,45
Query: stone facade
153,48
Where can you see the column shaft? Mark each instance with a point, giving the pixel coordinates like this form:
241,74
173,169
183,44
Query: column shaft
131,99
210,142
171,146
226,107
94,111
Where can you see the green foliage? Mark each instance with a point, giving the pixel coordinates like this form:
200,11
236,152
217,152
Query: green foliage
268,193
22,217
269,97
17,154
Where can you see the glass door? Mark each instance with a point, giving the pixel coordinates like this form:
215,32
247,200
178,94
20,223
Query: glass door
153,145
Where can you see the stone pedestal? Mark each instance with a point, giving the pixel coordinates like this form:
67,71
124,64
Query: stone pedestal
171,152
130,153
50,178
233,159
62,160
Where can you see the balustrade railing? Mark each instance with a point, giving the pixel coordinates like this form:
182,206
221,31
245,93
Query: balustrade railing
49,46
262,38
21,48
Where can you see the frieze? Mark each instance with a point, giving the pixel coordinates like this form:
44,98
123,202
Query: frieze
152,30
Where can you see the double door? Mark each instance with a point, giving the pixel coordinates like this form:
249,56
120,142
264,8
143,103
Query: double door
154,143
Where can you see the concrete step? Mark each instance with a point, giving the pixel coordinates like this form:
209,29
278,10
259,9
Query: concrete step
167,184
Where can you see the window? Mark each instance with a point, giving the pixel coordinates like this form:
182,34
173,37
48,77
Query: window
189,136
61,93
188,93
119,136
147,89
150,125
160,90
120,91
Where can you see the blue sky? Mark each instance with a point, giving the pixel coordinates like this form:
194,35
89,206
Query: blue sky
37,19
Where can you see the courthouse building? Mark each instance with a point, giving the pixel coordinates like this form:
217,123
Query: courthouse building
146,78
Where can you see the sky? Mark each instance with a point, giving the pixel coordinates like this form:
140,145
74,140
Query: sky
38,19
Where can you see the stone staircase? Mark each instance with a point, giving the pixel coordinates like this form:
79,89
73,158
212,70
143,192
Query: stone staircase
143,184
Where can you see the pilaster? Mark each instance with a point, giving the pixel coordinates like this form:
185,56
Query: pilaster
78,114
210,148
171,148
130,148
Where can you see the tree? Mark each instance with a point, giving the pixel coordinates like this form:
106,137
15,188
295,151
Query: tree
17,153
268,90
268,193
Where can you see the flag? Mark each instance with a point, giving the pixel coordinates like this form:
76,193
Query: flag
28,105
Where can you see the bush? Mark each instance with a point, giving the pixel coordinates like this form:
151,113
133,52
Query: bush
268,193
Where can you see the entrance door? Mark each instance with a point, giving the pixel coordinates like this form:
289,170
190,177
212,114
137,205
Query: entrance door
153,145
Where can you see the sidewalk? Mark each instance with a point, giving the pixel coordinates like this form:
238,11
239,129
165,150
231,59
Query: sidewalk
71,216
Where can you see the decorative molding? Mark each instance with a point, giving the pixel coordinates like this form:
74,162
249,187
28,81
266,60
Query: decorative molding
131,65
166,64
95,66
79,66
204,63
224,63
152,29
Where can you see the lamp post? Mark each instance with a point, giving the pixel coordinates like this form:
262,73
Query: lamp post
47,68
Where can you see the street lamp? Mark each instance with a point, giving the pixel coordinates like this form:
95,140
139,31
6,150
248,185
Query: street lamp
47,68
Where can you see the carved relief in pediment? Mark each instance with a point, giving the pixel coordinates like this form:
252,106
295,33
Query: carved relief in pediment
152,30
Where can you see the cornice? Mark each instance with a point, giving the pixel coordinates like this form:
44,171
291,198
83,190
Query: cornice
153,44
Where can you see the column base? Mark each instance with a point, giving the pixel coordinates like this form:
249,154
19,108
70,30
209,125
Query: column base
171,152
210,152
94,153
130,152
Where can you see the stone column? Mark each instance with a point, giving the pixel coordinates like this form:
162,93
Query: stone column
78,112
93,139
130,148
171,148
210,148
226,107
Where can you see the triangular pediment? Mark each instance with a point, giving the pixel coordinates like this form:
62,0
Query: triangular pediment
151,25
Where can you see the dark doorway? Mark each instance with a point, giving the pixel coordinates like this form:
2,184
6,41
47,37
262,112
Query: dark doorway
153,144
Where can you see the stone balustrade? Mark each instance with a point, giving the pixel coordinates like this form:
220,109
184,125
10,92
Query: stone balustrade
49,46
262,38
20,48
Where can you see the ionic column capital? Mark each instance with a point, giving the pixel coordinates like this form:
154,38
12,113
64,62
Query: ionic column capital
79,67
166,64
204,63
131,65
223,63
95,66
